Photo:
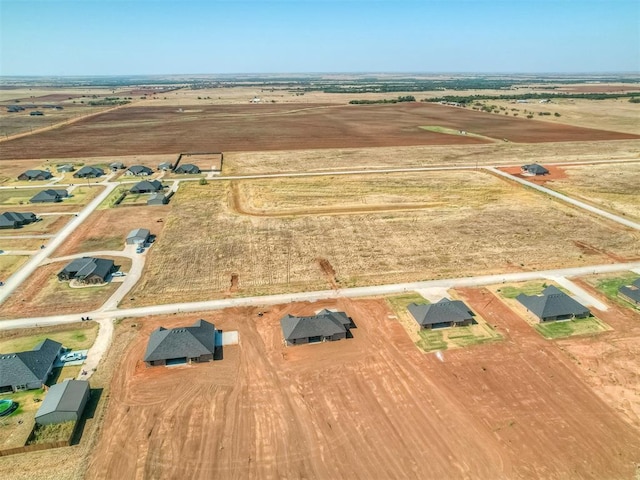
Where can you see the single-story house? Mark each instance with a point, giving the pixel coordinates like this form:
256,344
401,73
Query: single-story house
139,171
65,168
64,402
444,313
139,236
89,172
323,327
553,304
157,199
187,168
28,370
116,166
175,346
165,166
146,186
35,175
87,270
631,292
16,219
36,113
534,169
49,196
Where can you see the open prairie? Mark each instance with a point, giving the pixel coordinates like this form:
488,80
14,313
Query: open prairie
156,130
366,407
277,235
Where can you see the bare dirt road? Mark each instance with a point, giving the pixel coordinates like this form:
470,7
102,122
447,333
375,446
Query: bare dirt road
369,407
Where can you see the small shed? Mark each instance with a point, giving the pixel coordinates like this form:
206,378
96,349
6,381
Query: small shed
116,166
139,236
165,166
64,402
65,168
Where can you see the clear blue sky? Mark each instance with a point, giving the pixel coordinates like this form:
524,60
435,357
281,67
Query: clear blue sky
112,37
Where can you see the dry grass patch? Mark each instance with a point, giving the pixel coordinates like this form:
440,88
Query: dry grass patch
481,225
614,187
9,264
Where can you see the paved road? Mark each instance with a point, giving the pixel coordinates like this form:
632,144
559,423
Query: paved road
564,198
28,268
320,295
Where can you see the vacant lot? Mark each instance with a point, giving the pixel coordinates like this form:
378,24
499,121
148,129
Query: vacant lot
612,187
374,404
225,128
9,264
43,294
465,223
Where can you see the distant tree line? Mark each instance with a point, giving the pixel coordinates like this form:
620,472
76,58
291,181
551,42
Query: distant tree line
406,98
468,99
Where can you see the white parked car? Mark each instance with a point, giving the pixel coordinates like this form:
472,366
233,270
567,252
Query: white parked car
118,274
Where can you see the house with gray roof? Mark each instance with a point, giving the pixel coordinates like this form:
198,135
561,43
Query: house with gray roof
28,370
65,168
187,168
116,166
89,172
49,196
326,326
139,236
147,186
157,199
175,346
553,304
165,166
631,292
442,314
16,219
64,402
139,171
87,270
533,169
32,175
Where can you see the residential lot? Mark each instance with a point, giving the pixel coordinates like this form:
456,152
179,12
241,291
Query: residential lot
9,264
454,224
373,404
159,130
43,294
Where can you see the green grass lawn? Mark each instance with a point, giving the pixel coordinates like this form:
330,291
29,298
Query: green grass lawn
610,286
528,288
75,338
399,303
568,328
17,196
431,340
456,337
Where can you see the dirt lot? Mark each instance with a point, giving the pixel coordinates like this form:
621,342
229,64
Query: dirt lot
284,127
458,223
367,407
108,229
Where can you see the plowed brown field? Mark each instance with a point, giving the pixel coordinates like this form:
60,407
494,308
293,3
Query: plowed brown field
155,130
371,407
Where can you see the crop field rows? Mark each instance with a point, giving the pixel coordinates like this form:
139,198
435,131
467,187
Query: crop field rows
459,223
156,130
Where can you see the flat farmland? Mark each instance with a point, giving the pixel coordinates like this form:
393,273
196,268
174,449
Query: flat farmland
258,237
156,130
613,187
373,405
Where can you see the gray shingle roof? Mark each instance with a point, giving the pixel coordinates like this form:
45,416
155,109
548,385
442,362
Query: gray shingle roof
64,397
146,186
443,311
88,171
31,366
631,291
140,170
49,195
15,219
190,342
552,303
141,234
325,323
81,268
187,168
30,174
535,169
